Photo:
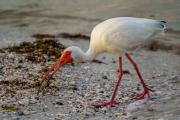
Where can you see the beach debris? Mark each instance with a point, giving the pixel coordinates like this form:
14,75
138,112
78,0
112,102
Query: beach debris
39,50
16,82
126,72
8,107
39,36
65,35
104,77
44,48
2,51
74,36
98,61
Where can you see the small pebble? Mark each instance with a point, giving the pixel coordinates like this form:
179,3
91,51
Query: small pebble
20,113
104,109
18,118
24,101
104,77
59,103
103,57
45,108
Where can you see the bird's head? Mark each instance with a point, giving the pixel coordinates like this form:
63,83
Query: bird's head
69,55
72,54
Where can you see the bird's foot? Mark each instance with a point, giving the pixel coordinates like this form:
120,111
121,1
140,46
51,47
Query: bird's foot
143,94
110,103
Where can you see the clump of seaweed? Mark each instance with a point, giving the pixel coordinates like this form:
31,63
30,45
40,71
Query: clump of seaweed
20,83
74,36
9,108
42,49
39,36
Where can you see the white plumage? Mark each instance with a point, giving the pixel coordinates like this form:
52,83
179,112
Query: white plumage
123,33
114,36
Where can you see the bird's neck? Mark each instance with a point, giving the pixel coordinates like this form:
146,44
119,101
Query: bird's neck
89,55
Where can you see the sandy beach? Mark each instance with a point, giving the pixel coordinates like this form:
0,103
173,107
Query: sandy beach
76,87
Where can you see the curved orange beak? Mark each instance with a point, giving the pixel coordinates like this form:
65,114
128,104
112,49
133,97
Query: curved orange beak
64,59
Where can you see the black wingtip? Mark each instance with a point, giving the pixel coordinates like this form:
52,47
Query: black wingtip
163,21
163,24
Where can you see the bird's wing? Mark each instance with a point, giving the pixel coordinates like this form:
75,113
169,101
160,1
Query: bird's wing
126,32
139,27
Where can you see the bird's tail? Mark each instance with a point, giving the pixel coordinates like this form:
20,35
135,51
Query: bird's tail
162,23
162,26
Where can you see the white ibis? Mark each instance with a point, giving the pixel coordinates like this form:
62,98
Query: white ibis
115,35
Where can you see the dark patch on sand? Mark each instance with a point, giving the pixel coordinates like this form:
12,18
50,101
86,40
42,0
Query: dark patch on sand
156,45
98,61
126,72
74,36
9,108
41,50
2,51
19,84
39,36
69,36
172,31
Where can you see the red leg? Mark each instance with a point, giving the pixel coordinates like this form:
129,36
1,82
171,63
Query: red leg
112,100
146,89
